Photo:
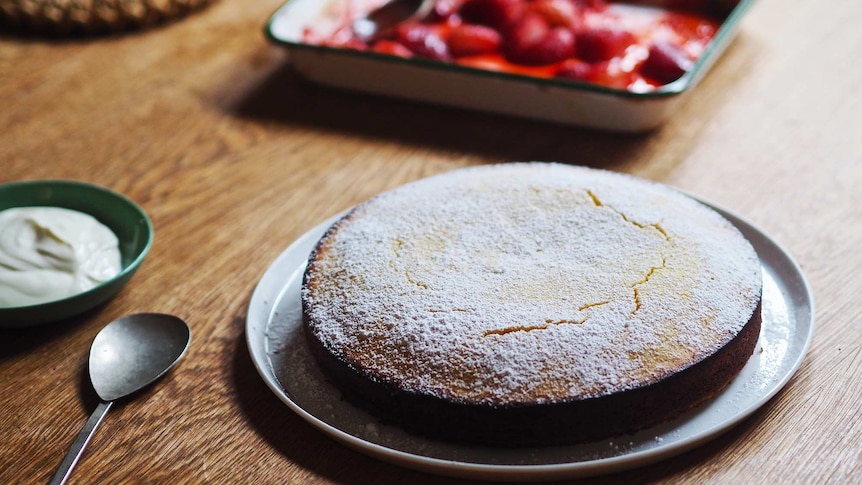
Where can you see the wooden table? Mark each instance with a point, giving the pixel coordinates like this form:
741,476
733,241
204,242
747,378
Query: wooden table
202,123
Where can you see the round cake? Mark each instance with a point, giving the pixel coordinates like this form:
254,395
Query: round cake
531,304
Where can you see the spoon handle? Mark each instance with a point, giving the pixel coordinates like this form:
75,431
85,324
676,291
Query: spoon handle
80,443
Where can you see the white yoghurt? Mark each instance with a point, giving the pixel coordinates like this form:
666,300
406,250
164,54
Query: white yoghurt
50,253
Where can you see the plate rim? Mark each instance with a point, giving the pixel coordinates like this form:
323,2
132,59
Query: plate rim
510,472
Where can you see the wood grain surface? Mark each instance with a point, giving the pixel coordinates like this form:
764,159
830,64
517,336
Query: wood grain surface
202,123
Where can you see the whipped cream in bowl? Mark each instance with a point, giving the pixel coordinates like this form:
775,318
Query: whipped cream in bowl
65,247
51,253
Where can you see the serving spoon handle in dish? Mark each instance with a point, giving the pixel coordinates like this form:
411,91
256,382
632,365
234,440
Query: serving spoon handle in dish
383,20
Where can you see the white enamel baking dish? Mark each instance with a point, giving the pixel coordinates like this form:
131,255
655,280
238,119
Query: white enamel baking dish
554,100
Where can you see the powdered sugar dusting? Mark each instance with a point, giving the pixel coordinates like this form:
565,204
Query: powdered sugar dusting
529,282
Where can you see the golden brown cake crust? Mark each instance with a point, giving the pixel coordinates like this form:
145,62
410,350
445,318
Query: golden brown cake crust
531,304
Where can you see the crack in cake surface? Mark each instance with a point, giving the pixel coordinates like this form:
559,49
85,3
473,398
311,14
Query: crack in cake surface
548,323
656,226
597,202
644,281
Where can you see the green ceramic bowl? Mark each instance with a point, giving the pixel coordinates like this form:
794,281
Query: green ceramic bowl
121,215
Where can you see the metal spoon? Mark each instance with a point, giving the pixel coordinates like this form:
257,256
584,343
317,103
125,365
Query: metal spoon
127,355
381,21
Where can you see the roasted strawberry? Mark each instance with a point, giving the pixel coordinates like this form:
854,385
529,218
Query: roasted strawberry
665,63
603,73
610,75
531,29
576,69
558,13
601,44
423,40
499,14
559,44
472,40
532,41
392,48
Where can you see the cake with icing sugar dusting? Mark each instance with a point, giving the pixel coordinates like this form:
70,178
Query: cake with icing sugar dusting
531,304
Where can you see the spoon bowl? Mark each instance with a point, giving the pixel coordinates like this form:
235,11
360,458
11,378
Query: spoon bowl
134,351
126,356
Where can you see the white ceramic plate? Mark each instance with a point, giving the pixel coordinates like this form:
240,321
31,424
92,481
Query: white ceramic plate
554,100
277,347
